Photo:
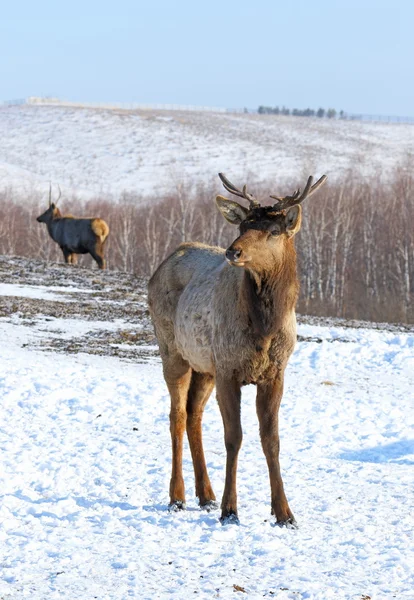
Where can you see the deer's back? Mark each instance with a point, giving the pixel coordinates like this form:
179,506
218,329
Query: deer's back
191,266
74,233
182,298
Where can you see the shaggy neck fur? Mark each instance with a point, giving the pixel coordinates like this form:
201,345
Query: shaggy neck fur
270,296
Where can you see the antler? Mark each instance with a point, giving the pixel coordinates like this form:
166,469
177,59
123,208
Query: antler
297,197
50,194
241,193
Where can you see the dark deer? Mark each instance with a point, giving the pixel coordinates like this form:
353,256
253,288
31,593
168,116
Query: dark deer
227,318
75,235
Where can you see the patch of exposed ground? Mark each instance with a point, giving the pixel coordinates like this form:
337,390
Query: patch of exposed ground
111,305
112,299
350,323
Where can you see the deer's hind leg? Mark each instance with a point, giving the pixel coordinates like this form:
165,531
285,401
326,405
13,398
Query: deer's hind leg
199,392
177,375
98,255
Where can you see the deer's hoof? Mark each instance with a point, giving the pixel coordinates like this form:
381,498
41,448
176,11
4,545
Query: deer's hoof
289,523
176,506
231,519
209,505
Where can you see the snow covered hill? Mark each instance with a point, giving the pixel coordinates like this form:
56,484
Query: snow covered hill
99,151
85,452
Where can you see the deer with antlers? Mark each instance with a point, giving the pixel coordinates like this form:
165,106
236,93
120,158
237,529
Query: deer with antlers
227,318
75,235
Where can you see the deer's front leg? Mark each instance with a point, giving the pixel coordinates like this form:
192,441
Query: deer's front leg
228,396
66,254
269,396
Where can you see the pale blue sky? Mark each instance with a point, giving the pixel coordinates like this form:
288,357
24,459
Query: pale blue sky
356,55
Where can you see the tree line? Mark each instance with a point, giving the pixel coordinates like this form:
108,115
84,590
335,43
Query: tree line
329,113
355,248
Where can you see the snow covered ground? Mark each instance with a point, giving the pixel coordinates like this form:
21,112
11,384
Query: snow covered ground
99,151
85,453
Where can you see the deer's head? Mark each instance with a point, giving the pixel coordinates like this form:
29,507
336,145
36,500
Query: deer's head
264,230
52,212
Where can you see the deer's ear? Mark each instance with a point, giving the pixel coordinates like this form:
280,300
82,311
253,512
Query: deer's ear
233,212
293,220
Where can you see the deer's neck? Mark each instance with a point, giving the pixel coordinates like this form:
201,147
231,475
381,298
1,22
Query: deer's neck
271,296
51,226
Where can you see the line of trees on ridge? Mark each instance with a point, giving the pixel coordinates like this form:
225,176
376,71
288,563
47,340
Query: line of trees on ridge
330,113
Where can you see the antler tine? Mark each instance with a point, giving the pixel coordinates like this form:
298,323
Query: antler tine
281,198
305,191
229,186
318,184
60,193
297,197
50,194
233,190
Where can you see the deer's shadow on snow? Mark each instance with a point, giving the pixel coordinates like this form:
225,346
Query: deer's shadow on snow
390,453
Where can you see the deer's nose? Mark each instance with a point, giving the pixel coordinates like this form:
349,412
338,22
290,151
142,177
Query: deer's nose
233,255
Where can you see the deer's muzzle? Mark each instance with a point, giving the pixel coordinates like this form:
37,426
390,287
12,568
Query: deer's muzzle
236,256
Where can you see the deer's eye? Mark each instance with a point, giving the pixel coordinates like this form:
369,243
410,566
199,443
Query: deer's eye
275,231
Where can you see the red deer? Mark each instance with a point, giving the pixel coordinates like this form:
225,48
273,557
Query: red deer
75,235
227,318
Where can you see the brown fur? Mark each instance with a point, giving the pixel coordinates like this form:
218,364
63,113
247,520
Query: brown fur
229,323
100,228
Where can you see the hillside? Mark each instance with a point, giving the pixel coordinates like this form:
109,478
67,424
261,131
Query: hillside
85,450
98,151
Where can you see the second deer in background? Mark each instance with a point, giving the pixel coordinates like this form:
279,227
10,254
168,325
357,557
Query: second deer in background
75,235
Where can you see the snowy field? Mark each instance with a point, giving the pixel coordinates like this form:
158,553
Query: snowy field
85,451
100,151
